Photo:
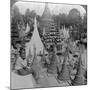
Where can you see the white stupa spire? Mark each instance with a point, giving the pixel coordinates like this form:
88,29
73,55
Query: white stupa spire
35,40
27,28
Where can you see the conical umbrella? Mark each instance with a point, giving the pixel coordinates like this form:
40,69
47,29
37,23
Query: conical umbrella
64,75
53,63
79,78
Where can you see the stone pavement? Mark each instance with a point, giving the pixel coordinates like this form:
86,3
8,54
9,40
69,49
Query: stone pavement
49,80
28,81
18,81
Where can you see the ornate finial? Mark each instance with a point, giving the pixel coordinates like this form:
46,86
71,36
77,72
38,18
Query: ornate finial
46,14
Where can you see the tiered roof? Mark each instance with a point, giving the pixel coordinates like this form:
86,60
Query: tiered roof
48,26
46,16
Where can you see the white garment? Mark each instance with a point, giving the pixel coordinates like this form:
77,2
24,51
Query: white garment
20,63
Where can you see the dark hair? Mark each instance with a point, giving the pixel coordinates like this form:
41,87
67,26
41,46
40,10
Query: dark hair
21,49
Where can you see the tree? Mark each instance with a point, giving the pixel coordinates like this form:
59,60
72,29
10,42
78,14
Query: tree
61,20
29,15
75,20
18,24
38,18
15,11
74,17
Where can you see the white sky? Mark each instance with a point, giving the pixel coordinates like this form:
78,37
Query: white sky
54,8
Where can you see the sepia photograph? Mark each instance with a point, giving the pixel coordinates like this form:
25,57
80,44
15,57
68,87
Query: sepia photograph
48,44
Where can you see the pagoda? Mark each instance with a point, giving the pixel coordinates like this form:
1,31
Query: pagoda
49,32
46,19
64,74
46,16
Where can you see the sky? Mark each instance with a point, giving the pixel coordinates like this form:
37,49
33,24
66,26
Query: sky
54,8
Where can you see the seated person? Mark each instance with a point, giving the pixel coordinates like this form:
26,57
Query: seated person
21,61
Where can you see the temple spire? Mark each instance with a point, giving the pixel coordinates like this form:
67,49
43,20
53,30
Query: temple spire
79,77
46,14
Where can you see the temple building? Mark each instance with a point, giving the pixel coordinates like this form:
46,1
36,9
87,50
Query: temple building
49,29
46,19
